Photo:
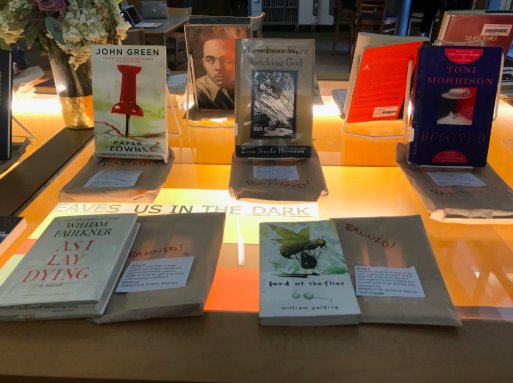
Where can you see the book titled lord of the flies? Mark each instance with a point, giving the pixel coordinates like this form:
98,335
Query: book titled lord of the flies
454,102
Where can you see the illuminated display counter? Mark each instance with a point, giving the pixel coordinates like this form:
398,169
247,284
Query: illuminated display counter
227,344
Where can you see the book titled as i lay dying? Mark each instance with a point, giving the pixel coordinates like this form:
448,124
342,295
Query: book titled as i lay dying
454,102
304,279
129,101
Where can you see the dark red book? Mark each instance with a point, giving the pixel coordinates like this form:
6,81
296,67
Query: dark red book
495,29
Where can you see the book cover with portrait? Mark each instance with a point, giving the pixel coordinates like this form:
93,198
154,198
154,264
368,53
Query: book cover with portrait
212,50
129,101
274,93
454,101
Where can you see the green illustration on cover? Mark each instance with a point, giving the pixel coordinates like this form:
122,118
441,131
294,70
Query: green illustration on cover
303,249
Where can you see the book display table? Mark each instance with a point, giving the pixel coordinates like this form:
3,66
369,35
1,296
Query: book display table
227,344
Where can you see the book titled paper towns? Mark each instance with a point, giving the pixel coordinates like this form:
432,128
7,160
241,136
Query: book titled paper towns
129,101
304,279
274,92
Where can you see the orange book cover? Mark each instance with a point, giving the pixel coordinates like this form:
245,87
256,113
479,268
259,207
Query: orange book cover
381,82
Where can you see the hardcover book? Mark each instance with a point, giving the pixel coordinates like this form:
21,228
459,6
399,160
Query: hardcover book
304,280
129,101
454,101
211,46
71,270
274,92
10,229
494,29
5,104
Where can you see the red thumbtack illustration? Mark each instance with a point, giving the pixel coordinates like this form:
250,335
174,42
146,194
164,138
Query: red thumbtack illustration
127,98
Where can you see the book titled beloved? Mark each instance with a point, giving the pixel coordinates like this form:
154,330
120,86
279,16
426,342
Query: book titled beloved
5,104
304,280
454,101
274,91
129,101
71,269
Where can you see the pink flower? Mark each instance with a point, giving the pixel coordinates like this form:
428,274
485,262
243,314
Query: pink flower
49,5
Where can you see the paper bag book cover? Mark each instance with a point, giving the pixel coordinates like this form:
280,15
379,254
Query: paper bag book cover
129,101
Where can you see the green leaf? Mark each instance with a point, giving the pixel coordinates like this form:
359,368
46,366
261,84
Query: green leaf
4,45
30,36
54,26
285,233
13,25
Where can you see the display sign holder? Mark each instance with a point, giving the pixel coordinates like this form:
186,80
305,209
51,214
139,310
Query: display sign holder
190,78
405,109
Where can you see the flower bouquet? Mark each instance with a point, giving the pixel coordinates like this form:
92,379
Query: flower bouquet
65,30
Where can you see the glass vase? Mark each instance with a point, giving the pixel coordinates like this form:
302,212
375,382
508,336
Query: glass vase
74,88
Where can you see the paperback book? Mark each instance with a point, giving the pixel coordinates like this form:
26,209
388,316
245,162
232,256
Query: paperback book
379,97
211,46
5,104
71,270
372,40
454,102
304,280
129,101
274,92
494,29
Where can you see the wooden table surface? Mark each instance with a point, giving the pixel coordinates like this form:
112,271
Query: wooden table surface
161,34
228,345
232,347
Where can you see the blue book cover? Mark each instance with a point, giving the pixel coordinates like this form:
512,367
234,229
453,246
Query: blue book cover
454,101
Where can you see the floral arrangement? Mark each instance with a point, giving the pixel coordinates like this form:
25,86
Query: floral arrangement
71,25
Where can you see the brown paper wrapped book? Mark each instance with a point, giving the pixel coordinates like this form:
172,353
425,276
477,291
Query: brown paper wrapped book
171,236
397,242
152,176
489,203
308,186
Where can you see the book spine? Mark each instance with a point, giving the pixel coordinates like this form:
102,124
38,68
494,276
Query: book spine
417,108
238,81
5,105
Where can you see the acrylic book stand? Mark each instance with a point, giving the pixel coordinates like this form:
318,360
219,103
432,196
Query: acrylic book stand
405,109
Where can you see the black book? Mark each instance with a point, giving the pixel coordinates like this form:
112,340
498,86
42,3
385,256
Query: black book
5,104
10,229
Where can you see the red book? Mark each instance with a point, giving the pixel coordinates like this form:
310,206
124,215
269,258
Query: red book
495,29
